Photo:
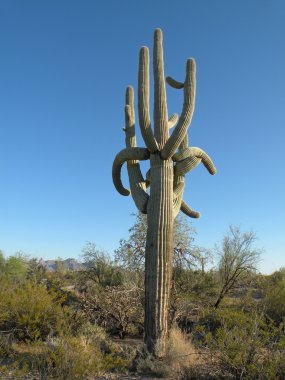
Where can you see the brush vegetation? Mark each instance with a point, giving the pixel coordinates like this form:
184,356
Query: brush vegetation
226,319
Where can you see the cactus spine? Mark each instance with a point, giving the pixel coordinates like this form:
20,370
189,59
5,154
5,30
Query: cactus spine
171,159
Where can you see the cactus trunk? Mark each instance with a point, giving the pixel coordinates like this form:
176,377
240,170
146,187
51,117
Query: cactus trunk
158,254
168,168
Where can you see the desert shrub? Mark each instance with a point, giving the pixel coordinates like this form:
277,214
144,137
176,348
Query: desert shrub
82,357
30,312
68,358
245,345
191,291
96,335
92,333
118,309
86,356
274,300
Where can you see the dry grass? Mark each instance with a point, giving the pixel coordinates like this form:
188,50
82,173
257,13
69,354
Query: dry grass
31,349
180,353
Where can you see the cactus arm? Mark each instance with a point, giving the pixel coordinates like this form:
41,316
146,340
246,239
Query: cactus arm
172,120
178,186
178,191
161,130
130,101
185,143
206,160
188,211
185,166
129,129
177,205
143,101
174,83
123,156
138,186
182,154
189,158
187,111
137,183
179,183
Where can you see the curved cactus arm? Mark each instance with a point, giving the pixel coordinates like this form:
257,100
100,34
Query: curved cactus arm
174,83
189,158
177,205
182,154
185,143
206,160
138,187
179,183
137,183
123,156
187,111
185,166
160,117
143,101
178,186
188,211
172,120
178,191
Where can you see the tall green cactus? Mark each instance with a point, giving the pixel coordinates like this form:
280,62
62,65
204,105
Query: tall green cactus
170,159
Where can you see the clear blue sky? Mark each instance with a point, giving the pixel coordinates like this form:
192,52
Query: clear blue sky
64,67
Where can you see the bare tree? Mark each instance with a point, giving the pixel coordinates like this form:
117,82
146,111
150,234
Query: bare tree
98,267
131,253
238,257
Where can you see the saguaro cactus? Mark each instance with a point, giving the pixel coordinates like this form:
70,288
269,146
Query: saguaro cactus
170,159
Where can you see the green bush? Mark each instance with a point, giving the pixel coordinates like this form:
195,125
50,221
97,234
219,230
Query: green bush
29,311
274,300
81,357
244,345
69,358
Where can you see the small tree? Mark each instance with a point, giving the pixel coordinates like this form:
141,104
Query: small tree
99,268
238,257
36,270
14,266
131,253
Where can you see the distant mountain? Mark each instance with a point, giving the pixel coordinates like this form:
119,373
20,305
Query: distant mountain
68,264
